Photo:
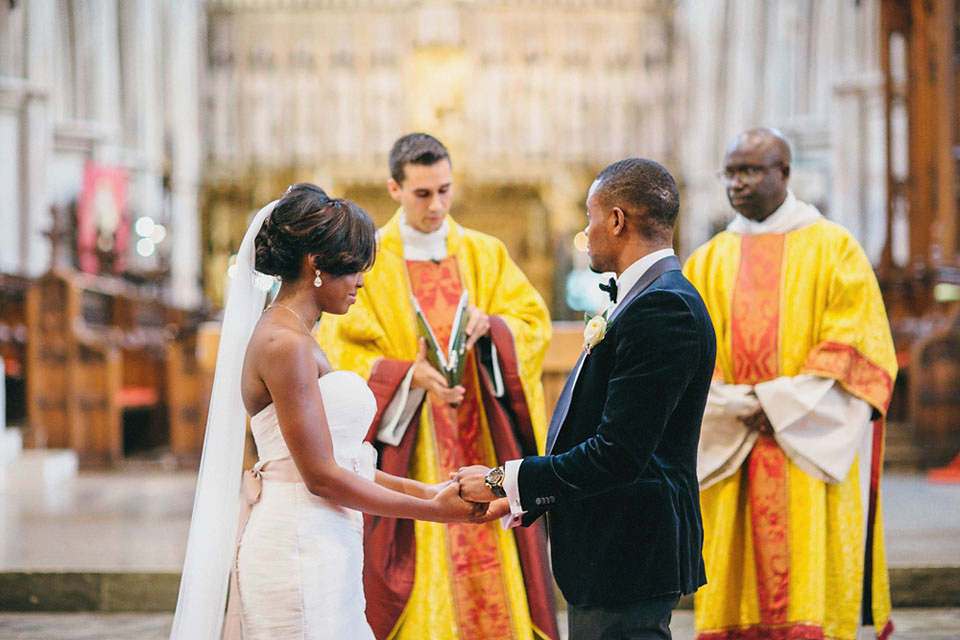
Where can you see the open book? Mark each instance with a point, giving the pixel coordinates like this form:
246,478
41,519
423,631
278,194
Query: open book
450,361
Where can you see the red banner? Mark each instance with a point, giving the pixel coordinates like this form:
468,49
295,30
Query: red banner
103,220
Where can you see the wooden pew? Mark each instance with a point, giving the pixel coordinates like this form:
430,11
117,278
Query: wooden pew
110,370
933,390
141,333
69,367
13,343
188,383
559,360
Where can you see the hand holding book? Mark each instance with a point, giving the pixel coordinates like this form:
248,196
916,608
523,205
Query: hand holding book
449,362
478,325
425,376
444,376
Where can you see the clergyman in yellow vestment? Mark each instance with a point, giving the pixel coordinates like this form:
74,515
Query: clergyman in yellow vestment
791,446
428,580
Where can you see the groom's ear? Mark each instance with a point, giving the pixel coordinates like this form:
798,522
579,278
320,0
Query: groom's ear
618,221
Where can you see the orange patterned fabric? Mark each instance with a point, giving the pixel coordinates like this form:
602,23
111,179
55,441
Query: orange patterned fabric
436,286
481,605
767,470
755,310
860,376
755,331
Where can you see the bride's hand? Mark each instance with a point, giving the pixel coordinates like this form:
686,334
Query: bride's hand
452,507
491,511
430,491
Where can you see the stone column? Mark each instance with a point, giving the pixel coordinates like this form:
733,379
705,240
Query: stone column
185,154
13,243
36,138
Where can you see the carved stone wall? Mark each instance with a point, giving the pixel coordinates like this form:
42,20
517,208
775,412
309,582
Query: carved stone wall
808,67
532,99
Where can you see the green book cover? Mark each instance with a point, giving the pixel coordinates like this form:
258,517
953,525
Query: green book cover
450,361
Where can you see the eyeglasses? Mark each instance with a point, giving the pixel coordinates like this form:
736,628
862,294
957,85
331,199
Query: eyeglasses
747,173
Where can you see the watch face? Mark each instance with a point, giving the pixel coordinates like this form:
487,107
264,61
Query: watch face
495,476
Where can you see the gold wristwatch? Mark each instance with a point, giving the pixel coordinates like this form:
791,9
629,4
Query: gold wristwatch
494,482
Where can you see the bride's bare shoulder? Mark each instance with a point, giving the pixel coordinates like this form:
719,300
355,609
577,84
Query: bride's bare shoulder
277,343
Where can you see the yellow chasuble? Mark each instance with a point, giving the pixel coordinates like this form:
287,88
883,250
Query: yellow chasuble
467,579
784,551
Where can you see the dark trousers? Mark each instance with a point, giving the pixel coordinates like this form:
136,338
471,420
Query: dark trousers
649,619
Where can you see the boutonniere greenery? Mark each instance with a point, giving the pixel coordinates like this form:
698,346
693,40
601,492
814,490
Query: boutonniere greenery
595,329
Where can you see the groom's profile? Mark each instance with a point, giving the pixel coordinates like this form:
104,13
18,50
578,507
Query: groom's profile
618,482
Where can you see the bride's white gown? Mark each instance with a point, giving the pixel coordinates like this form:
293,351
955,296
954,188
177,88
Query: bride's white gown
300,559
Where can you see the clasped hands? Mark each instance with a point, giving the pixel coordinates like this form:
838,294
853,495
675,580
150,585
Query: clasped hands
467,487
757,420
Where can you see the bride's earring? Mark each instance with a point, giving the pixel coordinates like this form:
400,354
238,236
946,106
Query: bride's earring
317,281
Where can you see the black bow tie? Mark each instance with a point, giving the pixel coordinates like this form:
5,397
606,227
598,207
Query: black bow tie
610,288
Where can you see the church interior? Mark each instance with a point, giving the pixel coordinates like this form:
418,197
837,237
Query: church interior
137,139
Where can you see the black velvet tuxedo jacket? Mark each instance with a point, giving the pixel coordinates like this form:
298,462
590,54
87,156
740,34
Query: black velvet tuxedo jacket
620,484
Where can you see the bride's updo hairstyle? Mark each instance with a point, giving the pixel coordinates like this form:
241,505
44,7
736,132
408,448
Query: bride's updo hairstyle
306,220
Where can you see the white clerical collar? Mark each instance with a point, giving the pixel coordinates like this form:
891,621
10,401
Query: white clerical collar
418,245
633,273
791,215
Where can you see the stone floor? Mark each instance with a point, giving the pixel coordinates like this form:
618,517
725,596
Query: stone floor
136,519
911,624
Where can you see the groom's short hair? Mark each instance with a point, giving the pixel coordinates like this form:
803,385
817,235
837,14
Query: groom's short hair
645,191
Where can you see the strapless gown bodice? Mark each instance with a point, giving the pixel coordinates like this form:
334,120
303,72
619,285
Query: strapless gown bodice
300,558
350,408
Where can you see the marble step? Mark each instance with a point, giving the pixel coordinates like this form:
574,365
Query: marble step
25,591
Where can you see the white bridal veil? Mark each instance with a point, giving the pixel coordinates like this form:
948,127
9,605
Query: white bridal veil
213,527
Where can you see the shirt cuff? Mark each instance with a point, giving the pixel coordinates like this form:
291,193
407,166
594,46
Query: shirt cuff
399,411
511,469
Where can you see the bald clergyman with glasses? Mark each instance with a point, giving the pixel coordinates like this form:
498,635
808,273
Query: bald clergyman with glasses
790,448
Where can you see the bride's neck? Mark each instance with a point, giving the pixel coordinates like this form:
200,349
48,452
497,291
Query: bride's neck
302,303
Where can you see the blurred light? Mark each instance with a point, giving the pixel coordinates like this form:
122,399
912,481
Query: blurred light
158,234
144,226
231,271
580,241
582,292
946,292
145,247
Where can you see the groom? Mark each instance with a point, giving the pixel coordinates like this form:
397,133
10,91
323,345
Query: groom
619,482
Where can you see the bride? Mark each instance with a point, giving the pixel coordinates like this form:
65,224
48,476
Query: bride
299,555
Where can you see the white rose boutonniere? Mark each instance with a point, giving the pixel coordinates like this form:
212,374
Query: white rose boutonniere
594,331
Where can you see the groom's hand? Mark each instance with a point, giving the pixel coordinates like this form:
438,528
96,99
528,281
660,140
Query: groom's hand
472,485
454,508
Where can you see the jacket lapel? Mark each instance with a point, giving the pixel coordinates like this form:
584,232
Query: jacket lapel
657,269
